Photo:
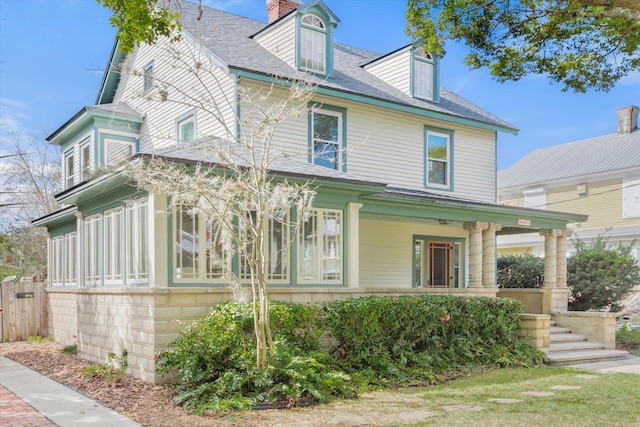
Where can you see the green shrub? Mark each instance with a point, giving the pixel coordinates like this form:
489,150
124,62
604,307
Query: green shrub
38,340
520,271
629,338
214,359
600,277
408,339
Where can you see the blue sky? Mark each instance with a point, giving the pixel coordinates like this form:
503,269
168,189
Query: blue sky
53,52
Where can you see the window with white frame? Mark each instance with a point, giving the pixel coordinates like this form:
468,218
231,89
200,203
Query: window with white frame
70,259
112,241
148,77
631,197
320,259
438,147
92,249
186,127
69,168
85,161
423,81
137,246
117,151
327,144
275,248
199,253
55,261
313,44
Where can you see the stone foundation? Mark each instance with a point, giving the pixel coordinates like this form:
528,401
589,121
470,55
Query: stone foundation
536,327
596,326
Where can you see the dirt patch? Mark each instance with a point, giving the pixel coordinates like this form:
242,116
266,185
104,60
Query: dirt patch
152,406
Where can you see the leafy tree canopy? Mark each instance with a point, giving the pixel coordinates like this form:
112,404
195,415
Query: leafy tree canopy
140,21
583,44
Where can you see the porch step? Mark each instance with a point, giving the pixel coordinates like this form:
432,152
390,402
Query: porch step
565,358
567,348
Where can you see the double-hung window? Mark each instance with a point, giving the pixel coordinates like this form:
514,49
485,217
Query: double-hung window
320,256
327,129
438,155
313,44
423,75
437,262
69,168
186,127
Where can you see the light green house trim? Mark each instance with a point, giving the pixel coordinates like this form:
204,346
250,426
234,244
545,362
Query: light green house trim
404,108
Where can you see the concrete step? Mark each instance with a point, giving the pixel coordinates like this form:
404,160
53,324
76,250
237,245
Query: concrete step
567,337
575,346
566,358
553,323
560,330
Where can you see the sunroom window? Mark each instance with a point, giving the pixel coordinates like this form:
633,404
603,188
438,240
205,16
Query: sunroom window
320,257
313,44
275,248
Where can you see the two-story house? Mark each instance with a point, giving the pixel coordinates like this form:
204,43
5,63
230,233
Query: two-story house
598,177
405,172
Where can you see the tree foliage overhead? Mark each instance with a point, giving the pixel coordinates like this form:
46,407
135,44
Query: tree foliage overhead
583,44
141,21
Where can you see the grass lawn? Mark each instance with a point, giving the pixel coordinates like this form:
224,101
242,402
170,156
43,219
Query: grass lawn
605,400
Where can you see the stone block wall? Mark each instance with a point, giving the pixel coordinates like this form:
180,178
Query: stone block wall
536,327
62,316
596,326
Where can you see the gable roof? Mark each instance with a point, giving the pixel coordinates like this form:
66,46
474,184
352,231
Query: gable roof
229,39
608,153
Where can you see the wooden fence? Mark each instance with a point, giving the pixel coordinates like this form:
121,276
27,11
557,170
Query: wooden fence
23,310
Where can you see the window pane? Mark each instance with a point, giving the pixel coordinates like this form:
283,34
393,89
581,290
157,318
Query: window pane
320,247
148,77
423,79
69,170
325,154
438,147
437,172
70,259
417,262
332,256
113,246
85,162
92,251
187,245
312,50
215,254
326,140
136,247
187,130
56,261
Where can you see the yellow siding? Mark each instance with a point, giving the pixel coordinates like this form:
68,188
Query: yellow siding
386,250
603,204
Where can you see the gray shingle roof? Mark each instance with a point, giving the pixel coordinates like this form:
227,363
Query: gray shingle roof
206,150
228,37
602,154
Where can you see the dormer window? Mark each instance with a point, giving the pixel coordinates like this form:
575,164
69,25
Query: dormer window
424,83
313,44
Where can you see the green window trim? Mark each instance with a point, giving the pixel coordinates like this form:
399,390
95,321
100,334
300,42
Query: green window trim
186,126
435,159
341,135
422,270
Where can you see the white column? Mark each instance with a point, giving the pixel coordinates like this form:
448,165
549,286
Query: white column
475,252
489,255
561,261
353,240
550,257
159,241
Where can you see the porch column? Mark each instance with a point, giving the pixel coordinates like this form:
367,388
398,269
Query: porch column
353,245
157,211
561,263
489,255
475,252
550,257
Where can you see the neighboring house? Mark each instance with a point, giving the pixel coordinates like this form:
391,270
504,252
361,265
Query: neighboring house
410,210
598,177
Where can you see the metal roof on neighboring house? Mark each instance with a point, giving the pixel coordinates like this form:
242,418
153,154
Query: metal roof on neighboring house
599,155
228,37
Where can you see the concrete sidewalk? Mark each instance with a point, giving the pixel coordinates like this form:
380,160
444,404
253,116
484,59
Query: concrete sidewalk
60,404
630,365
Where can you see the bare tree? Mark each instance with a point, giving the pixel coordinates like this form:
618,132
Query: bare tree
30,176
233,185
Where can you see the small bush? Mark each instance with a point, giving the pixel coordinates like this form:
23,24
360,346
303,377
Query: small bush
104,371
628,338
70,349
38,340
600,277
520,271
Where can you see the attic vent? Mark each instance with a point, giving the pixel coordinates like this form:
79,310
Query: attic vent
627,119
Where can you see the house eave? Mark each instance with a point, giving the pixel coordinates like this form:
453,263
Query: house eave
59,216
369,100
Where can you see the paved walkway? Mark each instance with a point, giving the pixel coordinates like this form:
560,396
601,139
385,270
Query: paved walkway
29,399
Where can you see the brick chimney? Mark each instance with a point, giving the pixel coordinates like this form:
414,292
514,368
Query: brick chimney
276,9
627,119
